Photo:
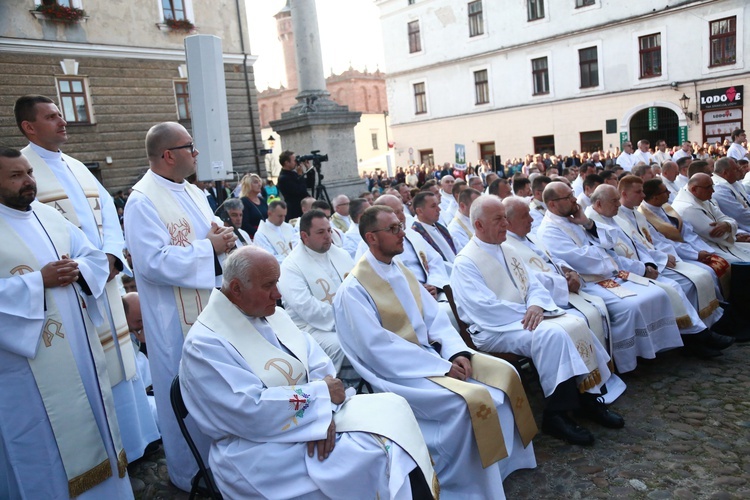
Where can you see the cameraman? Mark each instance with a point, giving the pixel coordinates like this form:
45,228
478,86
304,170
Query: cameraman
292,183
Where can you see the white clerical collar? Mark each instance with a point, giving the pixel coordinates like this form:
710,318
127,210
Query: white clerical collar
489,247
558,219
684,177
166,183
46,154
383,269
626,209
6,211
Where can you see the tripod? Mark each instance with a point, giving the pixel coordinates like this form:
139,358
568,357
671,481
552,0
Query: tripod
320,192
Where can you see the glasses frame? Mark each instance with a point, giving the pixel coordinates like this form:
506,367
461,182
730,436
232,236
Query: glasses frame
395,229
185,146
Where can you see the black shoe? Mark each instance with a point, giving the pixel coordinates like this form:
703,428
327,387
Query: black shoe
701,351
717,341
603,416
563,427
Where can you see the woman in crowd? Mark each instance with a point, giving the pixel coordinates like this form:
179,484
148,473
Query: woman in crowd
255,206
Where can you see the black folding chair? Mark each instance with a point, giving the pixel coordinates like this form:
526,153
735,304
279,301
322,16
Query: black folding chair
203,481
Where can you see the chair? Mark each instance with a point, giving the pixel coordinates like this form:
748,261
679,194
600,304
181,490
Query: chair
203,481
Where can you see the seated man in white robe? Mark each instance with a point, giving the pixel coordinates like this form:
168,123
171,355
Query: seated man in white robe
508,310
638,257
340,218
445,197
310,276
304,205
352,238
390,328
589,184
275,235
729,193
460,226
231,212
642,311
59,435
337,236
721,232
428,226
669,172
450,212
536,205
281,425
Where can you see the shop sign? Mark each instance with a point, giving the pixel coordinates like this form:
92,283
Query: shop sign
728,97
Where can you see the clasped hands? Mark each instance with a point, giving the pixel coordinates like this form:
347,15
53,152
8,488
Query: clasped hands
222,238
325,446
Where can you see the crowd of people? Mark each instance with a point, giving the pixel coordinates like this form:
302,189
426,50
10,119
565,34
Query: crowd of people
278,313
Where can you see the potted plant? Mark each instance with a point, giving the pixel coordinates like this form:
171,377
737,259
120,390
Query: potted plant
179,25
61,13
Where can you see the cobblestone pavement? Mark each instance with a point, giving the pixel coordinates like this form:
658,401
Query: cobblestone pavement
687,436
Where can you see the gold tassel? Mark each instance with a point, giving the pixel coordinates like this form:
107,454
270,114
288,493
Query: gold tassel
89,479
710,308
684,322
122,463
592,380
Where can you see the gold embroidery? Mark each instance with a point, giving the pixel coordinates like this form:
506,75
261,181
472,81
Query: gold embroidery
423,258
289,370
52,328
326,289
21,270
282,247
623,248
484,412
536,261
178,232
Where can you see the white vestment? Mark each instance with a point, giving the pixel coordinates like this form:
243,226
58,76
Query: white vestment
577,186
737,152
446,202
701,215
680,153
662,156
308,284
495,323
672,187
461,230
537,209
393,364
642,324
260,431
279,240
642,156
352,238
30,463
626,161
733,201
160,266
681,180
137,425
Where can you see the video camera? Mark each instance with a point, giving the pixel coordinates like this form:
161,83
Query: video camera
314,156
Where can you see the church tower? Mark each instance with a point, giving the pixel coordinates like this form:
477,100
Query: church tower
286,37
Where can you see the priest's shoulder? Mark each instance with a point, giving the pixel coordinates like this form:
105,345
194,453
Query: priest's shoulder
44,209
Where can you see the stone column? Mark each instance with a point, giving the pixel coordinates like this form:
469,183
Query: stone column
316,122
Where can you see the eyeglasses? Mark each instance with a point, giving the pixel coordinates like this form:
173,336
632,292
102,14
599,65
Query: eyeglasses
570,196
190,146
394,229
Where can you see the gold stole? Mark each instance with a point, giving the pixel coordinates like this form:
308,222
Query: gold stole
497,278
463,225
190,301
121,358
276,368
74,426
485,421
665,228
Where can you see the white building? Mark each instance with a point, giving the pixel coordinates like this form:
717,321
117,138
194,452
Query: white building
525,76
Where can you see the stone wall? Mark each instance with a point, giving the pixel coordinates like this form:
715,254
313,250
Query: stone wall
127,97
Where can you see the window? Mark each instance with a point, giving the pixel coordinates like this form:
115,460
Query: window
481,87
374,136
588,62
535,9
427,157
540,75
591,141
183,100
723,41
544,144
584,3
649,48
173,9
476,21
420,99
415,44
62,3
73,100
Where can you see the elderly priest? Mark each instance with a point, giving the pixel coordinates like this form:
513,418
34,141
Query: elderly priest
472,408
58,428
281,424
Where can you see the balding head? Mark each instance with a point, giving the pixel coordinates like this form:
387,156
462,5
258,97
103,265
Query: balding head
249,281
701,186
487,217
518,215
160,137
394,204
446,183
341,205
605,200
132,305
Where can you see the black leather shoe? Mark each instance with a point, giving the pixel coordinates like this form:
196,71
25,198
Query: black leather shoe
717,341
603,416
701,351
563,427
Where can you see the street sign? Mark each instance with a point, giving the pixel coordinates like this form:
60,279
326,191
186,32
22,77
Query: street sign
460,157
623,138
653,120
682,134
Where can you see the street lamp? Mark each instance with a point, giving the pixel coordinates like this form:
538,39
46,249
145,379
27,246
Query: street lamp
271,141
685,104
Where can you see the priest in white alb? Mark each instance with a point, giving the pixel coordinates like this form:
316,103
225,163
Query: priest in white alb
460,226
509,311
310,277
641,315
275,235
399,340
59,436
281,425
65,184
176,245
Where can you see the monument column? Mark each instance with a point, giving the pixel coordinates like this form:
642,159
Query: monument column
316,122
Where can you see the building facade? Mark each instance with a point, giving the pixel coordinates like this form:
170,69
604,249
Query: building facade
511,78
117,68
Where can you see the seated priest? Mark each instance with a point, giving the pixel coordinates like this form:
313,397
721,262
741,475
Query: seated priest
509,310
281,425
471,408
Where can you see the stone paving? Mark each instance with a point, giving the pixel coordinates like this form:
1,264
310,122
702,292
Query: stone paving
687,436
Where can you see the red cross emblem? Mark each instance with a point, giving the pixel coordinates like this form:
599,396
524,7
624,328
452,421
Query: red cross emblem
297,401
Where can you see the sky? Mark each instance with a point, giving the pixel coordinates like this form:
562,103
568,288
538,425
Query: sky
349,34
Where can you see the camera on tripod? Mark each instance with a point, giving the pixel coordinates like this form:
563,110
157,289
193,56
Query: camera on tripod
314,157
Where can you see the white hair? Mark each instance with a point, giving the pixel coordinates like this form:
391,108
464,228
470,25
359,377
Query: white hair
476,211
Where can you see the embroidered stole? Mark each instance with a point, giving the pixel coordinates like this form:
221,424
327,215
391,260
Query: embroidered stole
591,306
498,275
281,242
189,301
419,228
485,421
56,374
276,368
120,357
318,281
737,195
418,243
668,229
704,283
463,225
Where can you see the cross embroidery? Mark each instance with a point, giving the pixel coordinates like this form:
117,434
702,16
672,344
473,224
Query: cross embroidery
484,412
297,401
